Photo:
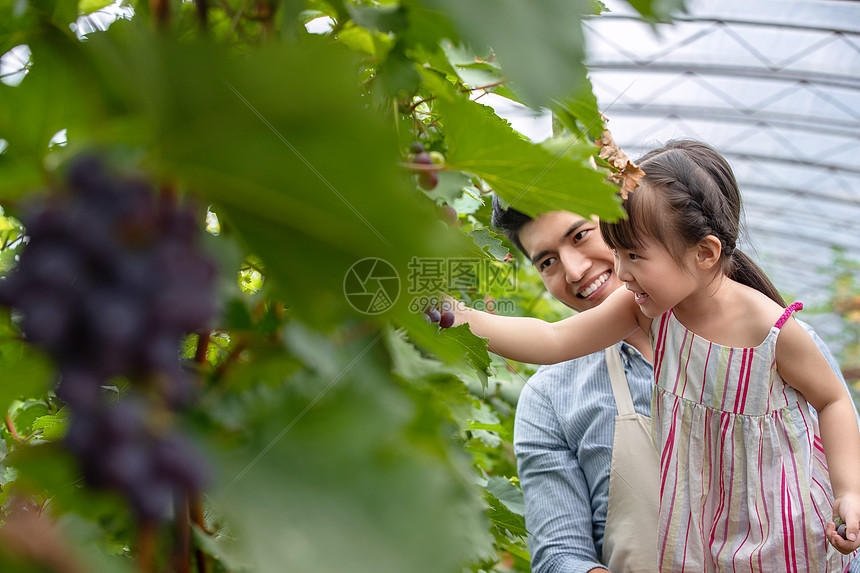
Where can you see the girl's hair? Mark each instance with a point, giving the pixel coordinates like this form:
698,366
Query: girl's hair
688,192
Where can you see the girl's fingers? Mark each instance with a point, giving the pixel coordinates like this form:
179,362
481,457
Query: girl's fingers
842,543
851,531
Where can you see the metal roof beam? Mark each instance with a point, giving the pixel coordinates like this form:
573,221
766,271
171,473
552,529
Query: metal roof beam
841,167
836,167
795,192
761,73
764,23
743,116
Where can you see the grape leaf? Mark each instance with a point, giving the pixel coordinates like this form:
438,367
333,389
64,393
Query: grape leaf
507,493
658,10
320,518
218,547
450,187
53,426
489,242
25,372
88,6
578,111
504,517
303,172
539,45
527,176
474,349
407,361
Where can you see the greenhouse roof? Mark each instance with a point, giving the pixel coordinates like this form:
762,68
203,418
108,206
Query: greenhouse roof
775,87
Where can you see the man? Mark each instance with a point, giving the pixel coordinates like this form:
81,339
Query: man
591,500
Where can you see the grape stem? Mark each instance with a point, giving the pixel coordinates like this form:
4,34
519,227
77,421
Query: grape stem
195,504
195,509
146,546
465,91
203,12
422,167
11,427
161,10
203,339
182,557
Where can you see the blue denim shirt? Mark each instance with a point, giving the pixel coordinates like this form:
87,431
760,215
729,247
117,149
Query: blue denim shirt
563,442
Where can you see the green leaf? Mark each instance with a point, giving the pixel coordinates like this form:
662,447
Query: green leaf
398,74
407,361
503,517
24,415
450,186
303,172
385,19
526,175
489,242
539,45
53,426
507,493
427,26
497,428
658,10
363,479
474,349
24,373
219,547
475,71
358,39
578,111
88,6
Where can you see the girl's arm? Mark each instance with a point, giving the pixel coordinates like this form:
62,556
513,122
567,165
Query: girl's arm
539,342
802,365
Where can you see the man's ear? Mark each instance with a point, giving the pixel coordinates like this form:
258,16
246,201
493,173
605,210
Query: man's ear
708,252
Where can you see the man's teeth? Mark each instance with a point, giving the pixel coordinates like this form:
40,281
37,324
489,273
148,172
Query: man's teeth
595,285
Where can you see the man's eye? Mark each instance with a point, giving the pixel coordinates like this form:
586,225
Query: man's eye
580,235
632,256
544,264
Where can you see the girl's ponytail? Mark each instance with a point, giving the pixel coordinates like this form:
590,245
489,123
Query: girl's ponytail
745,271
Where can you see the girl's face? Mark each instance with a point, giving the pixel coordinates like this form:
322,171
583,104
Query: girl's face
656,278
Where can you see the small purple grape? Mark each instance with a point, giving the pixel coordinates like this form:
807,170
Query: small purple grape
449,214
416,148
840,531
447,320
428,180
423,158
434,315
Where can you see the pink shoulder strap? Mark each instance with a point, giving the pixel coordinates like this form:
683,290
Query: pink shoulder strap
793,307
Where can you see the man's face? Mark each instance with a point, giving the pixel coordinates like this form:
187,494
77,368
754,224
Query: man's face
575,264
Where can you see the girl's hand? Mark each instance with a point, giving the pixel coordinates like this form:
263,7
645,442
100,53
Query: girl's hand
448,313
847,507
457,310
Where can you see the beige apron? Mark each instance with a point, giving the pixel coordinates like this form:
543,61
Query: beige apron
630,537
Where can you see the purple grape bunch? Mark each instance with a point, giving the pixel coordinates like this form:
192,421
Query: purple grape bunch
443,316
119,449
109,283
428,180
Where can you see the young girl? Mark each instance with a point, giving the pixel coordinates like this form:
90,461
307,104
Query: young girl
744,480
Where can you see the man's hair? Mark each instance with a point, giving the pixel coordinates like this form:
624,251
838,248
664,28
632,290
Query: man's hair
509,221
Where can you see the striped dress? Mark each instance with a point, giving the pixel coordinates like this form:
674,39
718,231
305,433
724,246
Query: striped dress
744,482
